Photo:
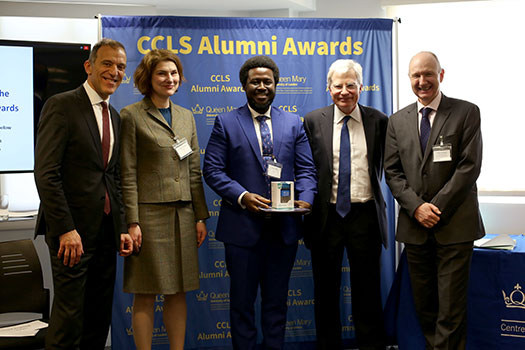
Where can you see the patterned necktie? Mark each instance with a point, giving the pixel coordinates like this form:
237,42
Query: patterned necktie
105,148
342,205
424,127
266,138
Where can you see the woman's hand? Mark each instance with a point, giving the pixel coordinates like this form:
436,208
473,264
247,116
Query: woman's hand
200,227
136,235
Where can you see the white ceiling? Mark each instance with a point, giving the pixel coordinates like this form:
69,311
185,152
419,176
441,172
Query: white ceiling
292,7
223,5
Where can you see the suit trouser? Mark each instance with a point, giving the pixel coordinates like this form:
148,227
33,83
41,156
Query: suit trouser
439,275
359,233
267,265
83,296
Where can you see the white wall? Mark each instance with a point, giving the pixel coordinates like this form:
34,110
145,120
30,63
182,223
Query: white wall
478,44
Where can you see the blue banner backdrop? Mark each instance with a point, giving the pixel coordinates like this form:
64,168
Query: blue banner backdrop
212,50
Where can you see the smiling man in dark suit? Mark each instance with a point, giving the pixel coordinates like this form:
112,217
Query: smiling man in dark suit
432,161
347,141
77,174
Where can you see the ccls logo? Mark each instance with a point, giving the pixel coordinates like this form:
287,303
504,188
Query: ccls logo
223,325
292,109
220,264
295,292
220,78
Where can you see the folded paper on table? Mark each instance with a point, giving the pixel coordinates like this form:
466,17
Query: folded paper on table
503,242
23,330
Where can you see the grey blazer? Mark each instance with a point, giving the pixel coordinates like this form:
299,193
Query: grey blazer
151,169
415,178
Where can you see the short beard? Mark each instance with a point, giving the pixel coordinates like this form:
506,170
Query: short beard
259,108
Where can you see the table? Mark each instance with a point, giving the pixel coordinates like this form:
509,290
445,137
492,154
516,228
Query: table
496,304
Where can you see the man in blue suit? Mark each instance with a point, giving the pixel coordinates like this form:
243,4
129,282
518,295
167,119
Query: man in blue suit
244,147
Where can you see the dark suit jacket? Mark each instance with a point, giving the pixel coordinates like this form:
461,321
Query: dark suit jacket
69,170
319,128
233,164
415,178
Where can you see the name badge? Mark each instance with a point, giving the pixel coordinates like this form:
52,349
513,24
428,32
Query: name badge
274,169
442,152
182,147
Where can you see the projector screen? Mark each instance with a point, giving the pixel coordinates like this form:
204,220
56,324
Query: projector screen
30,73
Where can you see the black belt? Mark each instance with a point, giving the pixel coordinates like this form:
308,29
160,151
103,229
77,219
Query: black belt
356,205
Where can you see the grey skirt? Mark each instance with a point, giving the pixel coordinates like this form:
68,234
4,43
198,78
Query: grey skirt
168,260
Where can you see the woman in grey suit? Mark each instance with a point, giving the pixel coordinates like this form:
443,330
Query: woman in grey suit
163,197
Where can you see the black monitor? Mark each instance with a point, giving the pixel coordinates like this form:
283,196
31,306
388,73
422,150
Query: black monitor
30,73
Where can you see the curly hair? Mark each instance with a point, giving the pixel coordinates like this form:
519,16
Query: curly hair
257,62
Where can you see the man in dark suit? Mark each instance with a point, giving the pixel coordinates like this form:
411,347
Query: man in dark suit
432,160
77,174
349,209
260,248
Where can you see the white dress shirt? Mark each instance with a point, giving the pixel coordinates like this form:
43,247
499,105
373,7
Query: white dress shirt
257,125
360,186
96,100
434,105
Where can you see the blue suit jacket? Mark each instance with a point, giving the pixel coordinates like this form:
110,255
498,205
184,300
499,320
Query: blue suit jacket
233,164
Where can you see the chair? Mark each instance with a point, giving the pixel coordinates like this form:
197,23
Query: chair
22,290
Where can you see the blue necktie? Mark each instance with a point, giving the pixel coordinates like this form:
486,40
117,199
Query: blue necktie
266,138
342,205
424,128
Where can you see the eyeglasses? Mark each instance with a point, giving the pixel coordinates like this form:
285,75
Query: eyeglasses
339,87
